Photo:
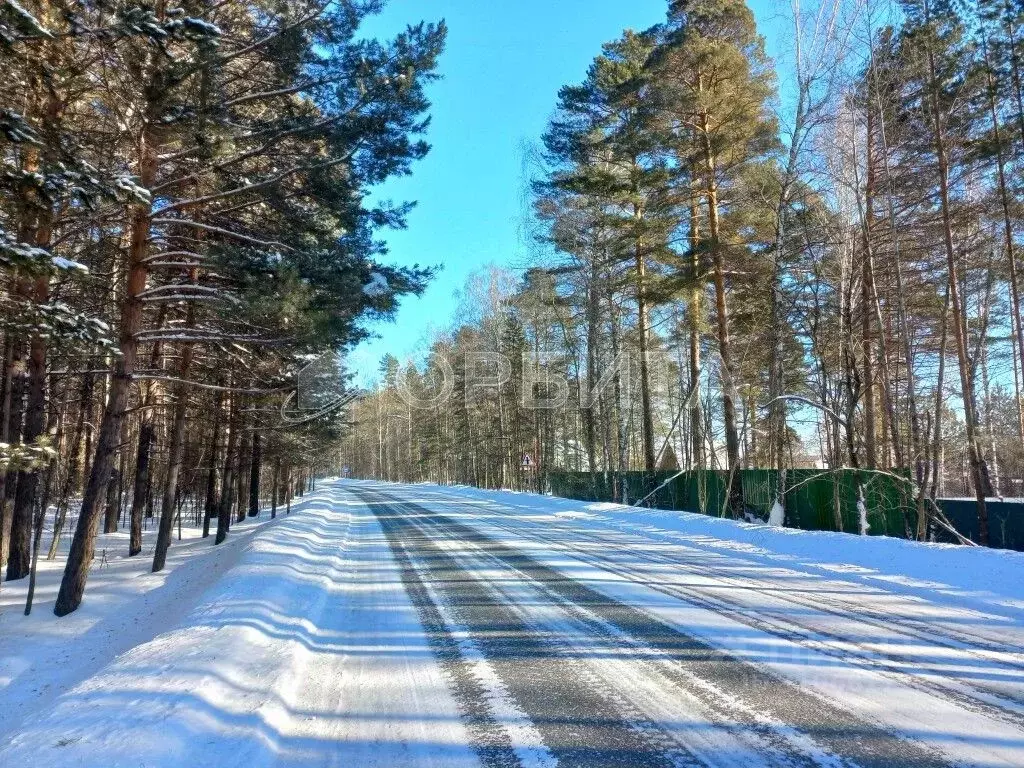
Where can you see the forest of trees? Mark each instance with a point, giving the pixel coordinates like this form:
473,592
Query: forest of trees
185,223
812,262
734,261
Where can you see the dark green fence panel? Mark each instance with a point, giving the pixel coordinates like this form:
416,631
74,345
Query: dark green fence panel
1005,521
816,500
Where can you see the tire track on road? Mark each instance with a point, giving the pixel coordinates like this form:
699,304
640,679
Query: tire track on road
963,640
577,726
836,730
978,697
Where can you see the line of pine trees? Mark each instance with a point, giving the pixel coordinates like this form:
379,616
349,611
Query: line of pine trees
184,224
813,261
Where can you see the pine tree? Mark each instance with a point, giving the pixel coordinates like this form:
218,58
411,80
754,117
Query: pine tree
605,146
935,50
715,84
256,133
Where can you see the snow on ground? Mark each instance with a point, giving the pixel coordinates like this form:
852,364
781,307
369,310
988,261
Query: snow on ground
125,604
297,643
973,577
279,648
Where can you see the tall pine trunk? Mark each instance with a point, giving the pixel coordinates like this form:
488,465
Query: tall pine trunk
1008,223
147,434
644,333
19,562
732,438
175,452
978,465
242,476
210,506
255,467
83,545
228,484
74,457
867,341
5,422
589,412
36,227
276,490
695,321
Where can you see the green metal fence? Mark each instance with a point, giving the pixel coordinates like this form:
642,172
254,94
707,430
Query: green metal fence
1005,521
816,500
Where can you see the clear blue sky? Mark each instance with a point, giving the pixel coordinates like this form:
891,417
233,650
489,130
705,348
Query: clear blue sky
503,67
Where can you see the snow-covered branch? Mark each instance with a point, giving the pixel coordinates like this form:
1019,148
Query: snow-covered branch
223,232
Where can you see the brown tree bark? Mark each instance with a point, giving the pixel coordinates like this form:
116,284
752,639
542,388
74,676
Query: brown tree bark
210,507
242,475
109,494
978,465
76,573
867,341
5,420
19,562
1011,252
74,457
36,227
255,467
644,335
288,490
274,496
175,451
695,319
732,438
147,431
147,434
228,484
18,384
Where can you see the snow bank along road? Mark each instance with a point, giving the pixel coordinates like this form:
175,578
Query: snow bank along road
414,626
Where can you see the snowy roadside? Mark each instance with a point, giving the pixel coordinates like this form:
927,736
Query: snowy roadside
300,649
125,604
968,577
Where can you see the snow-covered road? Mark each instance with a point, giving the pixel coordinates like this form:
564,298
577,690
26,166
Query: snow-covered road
422,626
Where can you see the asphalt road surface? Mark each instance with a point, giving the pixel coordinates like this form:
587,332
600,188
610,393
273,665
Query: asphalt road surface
549,668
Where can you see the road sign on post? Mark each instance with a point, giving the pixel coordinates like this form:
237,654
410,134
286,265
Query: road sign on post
528,462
